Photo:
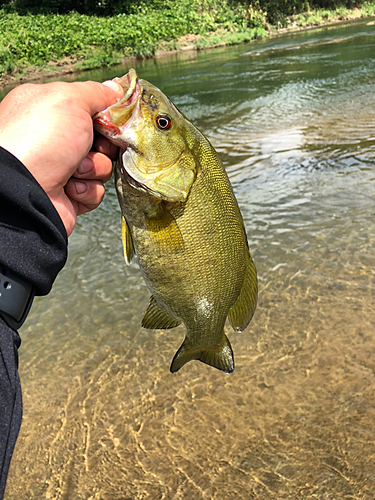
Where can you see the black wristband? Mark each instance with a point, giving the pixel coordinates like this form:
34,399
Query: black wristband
16,297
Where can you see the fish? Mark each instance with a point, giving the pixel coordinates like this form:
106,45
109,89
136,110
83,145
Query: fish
181,219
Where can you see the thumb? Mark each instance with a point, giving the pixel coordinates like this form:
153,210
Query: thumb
97,96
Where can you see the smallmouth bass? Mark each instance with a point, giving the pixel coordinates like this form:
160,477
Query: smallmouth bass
181,218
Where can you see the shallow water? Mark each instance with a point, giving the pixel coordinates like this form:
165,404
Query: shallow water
293,119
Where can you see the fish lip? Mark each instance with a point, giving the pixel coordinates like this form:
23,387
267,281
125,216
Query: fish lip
104,126
110,121
130,85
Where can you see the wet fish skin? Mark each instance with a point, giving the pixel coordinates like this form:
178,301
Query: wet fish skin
182,220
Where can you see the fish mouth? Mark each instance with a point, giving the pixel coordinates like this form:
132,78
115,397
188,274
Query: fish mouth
113,121
128,82
109,121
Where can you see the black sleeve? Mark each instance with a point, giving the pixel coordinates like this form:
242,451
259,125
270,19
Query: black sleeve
33,240
33,245
10,398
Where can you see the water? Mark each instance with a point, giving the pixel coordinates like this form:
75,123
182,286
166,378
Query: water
293,119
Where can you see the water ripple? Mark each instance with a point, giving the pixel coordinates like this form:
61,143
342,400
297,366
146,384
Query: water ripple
104,418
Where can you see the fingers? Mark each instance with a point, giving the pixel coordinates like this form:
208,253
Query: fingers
95,166
103,145
85,189
85,195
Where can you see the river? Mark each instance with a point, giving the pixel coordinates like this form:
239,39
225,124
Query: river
293,120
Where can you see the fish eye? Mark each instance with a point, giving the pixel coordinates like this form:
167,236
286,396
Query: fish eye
163,122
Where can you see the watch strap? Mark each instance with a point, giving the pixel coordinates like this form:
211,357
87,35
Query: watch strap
16,297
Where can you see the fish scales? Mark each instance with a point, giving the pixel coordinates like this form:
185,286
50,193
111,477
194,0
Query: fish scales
182,220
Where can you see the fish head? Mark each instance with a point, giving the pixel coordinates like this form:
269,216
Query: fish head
155,140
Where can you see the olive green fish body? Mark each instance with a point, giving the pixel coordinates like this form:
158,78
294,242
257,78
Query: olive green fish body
192,251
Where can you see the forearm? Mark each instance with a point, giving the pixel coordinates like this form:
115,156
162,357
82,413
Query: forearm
33,241
33,247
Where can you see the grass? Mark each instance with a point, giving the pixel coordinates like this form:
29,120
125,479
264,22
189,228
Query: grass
54,41
324,16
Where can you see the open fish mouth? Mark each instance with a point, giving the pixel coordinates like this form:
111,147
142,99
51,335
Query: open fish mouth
128,82
109,121
112,121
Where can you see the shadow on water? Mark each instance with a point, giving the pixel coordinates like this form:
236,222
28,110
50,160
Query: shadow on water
104,418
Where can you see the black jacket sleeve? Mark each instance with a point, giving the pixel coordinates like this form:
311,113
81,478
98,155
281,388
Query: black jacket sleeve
33,245
10,398
33,240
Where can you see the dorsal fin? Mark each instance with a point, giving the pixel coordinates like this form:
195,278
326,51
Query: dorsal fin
127,242
155,317
243,309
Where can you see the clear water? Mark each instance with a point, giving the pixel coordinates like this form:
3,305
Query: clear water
293,119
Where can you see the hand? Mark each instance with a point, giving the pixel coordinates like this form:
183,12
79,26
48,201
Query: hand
49,128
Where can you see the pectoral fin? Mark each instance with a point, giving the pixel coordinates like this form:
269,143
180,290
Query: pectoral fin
127,241
243,309
157,318
165,232
220,356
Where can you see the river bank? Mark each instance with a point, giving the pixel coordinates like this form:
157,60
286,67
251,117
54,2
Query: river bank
95,57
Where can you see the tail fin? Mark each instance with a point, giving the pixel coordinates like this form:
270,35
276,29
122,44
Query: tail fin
219,356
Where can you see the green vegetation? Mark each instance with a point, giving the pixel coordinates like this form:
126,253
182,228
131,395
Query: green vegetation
38,33
323,16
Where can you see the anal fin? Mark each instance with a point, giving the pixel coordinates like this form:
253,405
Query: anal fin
220,356
243,309
155,317
127,241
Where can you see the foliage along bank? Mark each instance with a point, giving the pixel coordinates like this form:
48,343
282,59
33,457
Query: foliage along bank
31,35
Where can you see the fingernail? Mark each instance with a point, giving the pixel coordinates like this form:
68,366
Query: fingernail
85,166
80,187
113,85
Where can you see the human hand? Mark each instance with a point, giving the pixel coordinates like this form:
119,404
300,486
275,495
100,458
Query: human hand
49,128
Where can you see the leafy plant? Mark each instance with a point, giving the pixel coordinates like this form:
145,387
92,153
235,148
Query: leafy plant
138,27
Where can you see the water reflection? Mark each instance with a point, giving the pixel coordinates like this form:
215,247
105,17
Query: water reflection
104,418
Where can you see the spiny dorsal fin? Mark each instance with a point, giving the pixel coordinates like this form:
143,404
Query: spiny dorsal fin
127,242
155,317
220,356
165,232
243,309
